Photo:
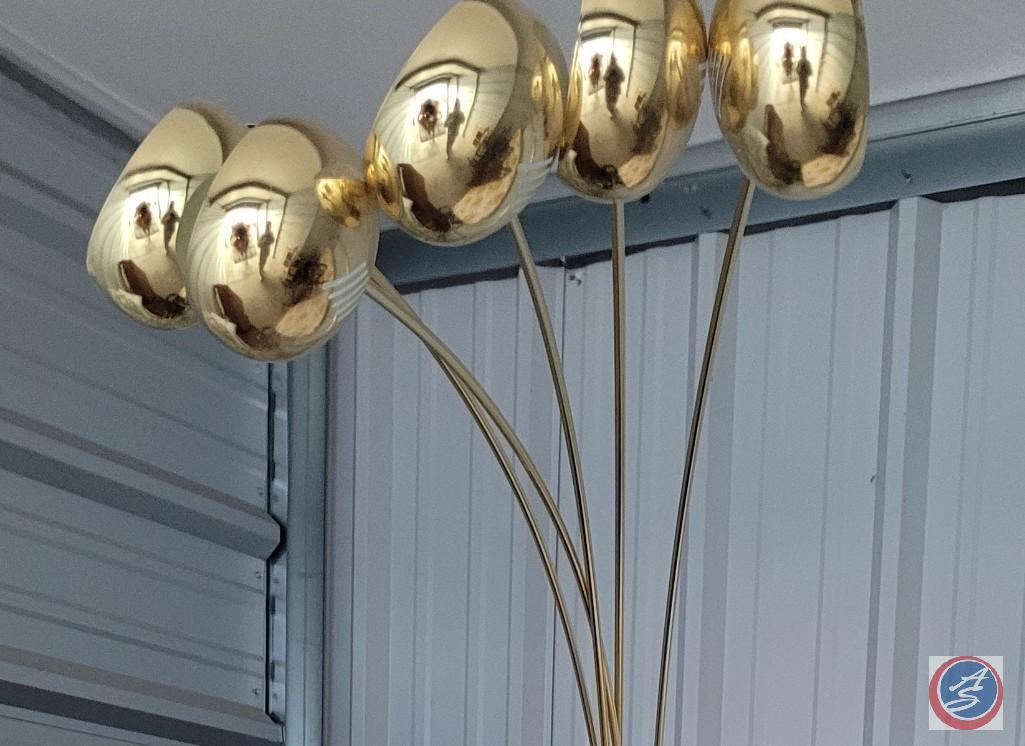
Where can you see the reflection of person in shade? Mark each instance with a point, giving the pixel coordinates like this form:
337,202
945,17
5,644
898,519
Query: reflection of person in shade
788,60
265,243
454,123
594,75
170,222
614,78
804,73
143,220
240,240
428,118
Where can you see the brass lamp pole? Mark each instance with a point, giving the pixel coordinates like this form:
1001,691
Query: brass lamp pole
740,219
269,235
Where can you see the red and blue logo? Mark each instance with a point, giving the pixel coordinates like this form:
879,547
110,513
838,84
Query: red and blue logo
966,693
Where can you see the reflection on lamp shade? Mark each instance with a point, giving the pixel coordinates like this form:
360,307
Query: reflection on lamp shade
284,242
791,90
472,126
634,93
137,244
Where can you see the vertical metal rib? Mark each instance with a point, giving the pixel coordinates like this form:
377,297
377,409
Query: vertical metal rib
619,345
382,283
393,303
555,365
740,219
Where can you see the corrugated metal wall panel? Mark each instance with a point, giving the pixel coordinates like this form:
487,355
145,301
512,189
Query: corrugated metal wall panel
449,609
25,728
133,466
857,507
760,487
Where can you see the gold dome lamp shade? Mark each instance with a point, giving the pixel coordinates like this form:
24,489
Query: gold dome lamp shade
140,238
284,243
472,126
635,89
790,82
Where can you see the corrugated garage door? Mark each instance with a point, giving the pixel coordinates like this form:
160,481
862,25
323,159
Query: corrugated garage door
134,532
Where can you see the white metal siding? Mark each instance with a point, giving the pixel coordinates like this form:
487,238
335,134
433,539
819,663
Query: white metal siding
858,503
450,638
133,525
976,469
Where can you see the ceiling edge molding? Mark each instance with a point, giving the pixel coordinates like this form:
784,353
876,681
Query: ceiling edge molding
83,89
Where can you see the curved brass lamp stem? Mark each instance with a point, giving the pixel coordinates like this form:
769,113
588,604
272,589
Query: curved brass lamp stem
384,290
555,365
380,284
396,306
740,219
619,345
543,553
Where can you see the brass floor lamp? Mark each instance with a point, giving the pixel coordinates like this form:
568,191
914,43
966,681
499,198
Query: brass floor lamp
269,234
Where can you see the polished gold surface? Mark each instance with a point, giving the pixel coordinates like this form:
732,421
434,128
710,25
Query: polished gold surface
790,86
729,263
141,234
472,126
634,92
284,243
619,435
558,373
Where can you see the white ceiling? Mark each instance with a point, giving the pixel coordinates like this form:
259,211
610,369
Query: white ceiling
333,60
